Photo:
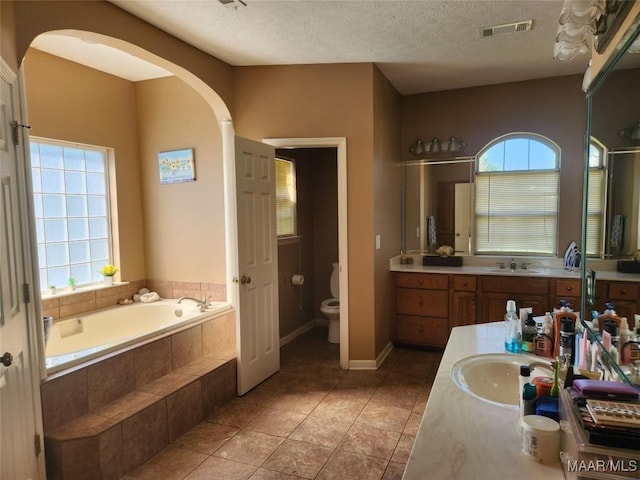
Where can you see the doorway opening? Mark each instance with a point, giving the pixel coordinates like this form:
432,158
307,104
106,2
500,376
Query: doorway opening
340,146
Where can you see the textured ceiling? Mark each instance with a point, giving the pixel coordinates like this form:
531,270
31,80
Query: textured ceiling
420,45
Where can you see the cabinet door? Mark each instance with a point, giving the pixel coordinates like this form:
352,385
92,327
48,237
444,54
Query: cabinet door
413,301
494,305
463,309
422,330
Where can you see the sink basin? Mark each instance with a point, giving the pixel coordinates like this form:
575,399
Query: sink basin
493,378
513,272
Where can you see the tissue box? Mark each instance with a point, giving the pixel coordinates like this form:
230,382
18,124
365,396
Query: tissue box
438,261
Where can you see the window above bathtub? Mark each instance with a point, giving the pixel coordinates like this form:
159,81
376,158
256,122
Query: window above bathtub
72,211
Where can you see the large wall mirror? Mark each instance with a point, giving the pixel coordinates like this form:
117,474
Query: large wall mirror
438,204
612,203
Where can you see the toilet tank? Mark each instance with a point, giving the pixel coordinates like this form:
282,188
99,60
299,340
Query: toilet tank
334,281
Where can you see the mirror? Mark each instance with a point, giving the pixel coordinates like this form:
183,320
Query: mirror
437,204
614,108
623,196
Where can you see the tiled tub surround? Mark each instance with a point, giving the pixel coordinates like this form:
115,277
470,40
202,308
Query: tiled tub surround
67,304
107,418
86,336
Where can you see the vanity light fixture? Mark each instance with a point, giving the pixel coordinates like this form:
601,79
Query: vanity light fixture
632,133
235,4
454,145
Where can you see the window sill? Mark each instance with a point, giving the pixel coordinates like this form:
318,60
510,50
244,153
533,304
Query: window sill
289,240
66,291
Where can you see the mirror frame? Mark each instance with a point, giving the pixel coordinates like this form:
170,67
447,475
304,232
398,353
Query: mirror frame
588,276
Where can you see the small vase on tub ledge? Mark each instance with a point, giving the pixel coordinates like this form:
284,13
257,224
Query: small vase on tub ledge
108,271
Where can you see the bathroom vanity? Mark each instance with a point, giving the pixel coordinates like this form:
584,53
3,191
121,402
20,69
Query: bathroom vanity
430,301
461,436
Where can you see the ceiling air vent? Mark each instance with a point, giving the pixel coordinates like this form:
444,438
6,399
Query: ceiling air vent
506,28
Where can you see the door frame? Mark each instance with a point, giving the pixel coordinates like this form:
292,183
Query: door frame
340,143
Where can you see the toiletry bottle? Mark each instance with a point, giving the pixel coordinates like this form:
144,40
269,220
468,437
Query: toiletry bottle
543,342
555,388
525,376
609,309
611,326
567,332
630,352
513,328
624,332
529,332
528,400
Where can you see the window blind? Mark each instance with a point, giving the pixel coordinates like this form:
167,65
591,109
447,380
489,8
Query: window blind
285,197
595,214
516,212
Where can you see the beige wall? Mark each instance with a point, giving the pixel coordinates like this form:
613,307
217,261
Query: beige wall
183,222
70,102
8,35
386,135
553,107
325,101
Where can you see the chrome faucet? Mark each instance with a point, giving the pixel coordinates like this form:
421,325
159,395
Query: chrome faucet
202,304
512,264
524,265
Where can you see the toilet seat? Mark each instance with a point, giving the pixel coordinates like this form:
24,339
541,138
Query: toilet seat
330,305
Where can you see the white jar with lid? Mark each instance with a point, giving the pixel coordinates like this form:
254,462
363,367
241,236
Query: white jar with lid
540,438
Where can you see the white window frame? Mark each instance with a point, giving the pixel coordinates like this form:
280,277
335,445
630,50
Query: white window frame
495,228
94,263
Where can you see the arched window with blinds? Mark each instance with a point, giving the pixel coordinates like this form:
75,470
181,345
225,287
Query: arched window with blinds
516,197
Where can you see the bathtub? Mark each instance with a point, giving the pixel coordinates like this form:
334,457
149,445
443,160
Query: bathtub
76,340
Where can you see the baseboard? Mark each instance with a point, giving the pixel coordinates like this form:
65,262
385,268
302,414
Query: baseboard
297,332
371,364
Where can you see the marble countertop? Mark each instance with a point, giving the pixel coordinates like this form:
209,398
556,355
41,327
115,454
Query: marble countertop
462,437
533,272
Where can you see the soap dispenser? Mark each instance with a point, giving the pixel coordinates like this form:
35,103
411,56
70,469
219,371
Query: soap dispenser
513,328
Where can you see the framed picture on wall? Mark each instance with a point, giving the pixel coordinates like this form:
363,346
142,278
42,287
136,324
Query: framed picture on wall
177,166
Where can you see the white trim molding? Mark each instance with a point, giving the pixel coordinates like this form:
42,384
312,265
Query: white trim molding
372,364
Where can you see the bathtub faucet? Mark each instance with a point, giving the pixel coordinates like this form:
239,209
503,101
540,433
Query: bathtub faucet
203,304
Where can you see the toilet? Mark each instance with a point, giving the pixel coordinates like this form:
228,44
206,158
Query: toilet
331,306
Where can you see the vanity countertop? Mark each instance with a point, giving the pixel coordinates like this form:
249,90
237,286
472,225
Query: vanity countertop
463,437
533,272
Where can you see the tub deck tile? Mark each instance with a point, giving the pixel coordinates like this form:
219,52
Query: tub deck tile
128,405
202,366
168,384
85,426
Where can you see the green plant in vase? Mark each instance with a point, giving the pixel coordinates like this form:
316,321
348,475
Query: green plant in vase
72,283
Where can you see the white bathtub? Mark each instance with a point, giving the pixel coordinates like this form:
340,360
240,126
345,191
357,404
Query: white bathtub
85,337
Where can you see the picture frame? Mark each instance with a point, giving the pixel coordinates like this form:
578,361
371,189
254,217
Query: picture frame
177,166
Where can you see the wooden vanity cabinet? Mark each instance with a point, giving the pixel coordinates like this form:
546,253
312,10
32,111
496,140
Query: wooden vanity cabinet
624,296
527,292
463,301
422,309
566,289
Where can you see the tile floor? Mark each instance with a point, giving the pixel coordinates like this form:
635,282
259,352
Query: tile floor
310,420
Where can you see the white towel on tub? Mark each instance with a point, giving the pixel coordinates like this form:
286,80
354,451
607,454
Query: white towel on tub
149,297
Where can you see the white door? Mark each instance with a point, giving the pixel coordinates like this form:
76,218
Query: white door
19,398
257,272
462,215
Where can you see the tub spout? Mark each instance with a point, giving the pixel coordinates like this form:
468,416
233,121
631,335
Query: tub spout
202,304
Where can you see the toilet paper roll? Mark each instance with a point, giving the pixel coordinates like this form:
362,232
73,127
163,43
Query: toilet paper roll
297,279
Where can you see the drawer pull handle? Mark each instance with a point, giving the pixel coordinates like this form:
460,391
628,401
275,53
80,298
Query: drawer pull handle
420,301
421,282
623,291
421,329
569,288
464,284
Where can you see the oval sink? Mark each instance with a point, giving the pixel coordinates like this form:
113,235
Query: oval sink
493,377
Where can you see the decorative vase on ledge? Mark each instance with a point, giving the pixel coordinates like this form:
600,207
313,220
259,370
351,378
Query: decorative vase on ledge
107,280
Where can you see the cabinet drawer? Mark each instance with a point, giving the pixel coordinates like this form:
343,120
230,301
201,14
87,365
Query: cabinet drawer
432,303
464,283
422,330
623,291
422,280
513,285
569,288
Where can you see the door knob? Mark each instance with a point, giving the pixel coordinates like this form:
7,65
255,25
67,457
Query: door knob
7,359
245,280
